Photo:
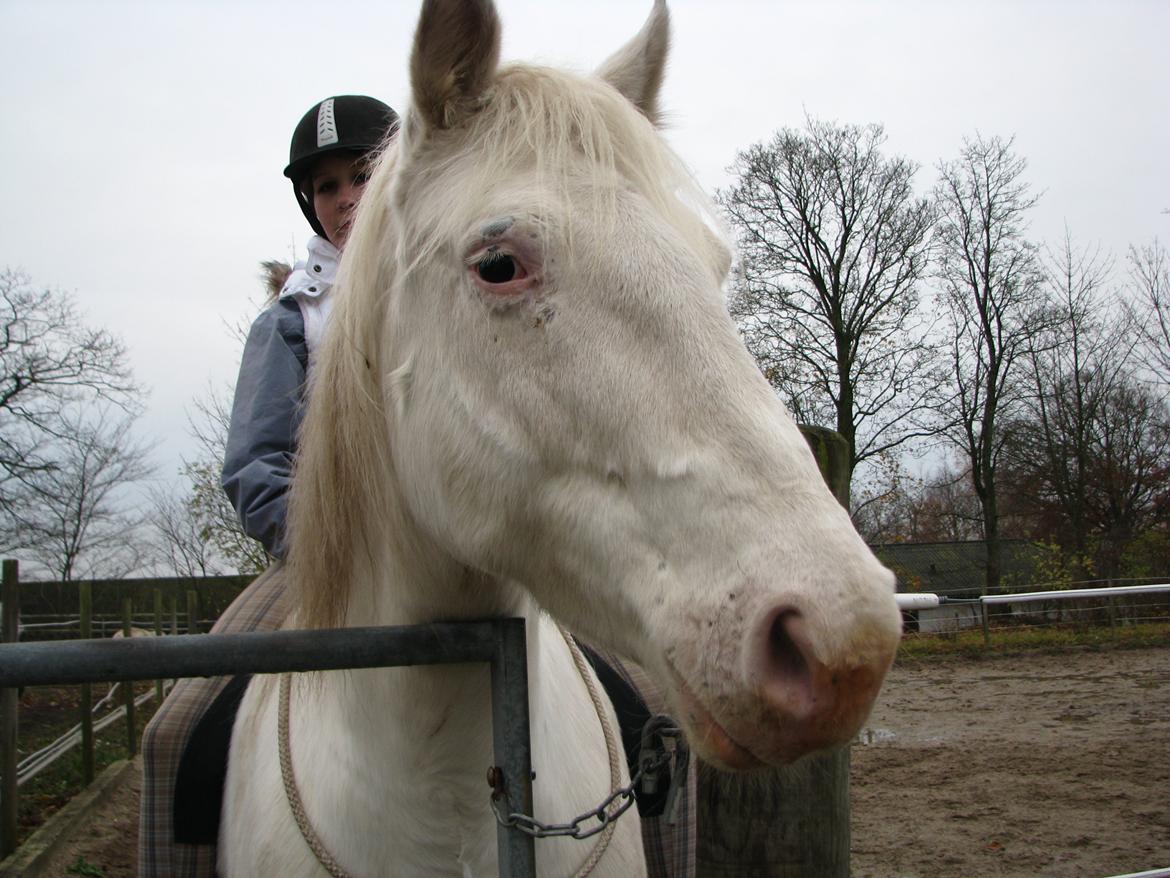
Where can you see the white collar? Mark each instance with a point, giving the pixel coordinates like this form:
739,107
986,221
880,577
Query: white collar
315,275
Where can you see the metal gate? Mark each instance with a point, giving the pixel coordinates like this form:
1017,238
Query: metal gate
500,642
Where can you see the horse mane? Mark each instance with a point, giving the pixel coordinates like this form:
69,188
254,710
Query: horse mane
339,445
534,120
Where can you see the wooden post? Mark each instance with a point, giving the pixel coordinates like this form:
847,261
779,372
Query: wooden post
158,630
85,600
192,612
790,822
9,633
128,691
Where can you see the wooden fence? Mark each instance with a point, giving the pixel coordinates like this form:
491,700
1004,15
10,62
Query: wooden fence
80,624
51,610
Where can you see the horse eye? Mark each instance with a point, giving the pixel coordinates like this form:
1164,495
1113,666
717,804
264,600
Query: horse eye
496,268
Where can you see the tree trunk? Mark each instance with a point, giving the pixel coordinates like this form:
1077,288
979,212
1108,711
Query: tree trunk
991,541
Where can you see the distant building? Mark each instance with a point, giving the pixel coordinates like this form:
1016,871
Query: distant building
956,569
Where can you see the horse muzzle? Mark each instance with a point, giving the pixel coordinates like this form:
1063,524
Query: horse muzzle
781,700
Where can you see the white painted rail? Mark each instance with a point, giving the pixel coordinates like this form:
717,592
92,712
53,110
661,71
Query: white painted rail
1071,593
917,601
926,600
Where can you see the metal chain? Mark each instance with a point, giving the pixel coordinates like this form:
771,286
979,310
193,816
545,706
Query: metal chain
653,758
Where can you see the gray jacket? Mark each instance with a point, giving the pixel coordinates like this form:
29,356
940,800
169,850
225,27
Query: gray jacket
266,415
270,393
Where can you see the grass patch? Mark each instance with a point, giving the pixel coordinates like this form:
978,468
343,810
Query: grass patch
970,644
84,867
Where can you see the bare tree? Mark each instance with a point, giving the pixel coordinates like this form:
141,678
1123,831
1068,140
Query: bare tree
1117,491
181,546
992,295
200,529
213,516
1090,457
49,360
1149,269
939,507
882,501
946,510
1076,367
78,520
833,242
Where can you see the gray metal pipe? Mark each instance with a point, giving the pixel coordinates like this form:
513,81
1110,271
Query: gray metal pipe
267,652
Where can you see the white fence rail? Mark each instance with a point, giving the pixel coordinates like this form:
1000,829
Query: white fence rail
35,763
1110,606
922,600
1074,593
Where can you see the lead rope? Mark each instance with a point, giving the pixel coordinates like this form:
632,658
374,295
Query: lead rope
615,770
290,786
322,853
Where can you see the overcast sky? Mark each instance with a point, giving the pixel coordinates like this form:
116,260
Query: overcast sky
142,142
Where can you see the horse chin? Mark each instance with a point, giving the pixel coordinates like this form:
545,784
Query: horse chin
709,739
737,736
726,750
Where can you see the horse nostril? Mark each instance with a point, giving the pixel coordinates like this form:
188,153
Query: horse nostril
783,664
785,658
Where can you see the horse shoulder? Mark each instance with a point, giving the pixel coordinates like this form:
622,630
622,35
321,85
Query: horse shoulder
256,835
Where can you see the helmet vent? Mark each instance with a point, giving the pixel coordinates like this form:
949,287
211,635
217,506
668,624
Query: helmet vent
326,124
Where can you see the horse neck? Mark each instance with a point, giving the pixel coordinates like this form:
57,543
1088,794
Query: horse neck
412,582
401,576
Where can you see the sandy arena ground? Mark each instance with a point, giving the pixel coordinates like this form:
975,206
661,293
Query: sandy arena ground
1013,766
1024,766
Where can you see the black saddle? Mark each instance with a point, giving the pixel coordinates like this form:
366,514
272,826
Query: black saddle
203,766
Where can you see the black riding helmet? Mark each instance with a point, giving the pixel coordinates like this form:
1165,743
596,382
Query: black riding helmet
343,122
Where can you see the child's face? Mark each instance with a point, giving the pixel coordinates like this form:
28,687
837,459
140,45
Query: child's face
335,185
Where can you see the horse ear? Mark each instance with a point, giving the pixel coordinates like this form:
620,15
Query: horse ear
636,69
456,50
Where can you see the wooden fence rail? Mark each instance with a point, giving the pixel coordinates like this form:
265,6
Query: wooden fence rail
83,625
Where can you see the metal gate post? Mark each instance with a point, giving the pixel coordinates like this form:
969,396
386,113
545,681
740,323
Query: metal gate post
513,746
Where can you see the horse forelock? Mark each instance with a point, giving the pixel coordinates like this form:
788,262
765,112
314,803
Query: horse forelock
547,127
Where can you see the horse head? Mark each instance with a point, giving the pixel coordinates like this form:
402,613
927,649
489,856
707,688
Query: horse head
533,350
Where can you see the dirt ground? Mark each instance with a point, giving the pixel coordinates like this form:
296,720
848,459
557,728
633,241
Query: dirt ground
1013,766
1026,766
106,845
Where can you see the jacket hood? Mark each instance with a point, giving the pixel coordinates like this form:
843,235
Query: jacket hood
274,274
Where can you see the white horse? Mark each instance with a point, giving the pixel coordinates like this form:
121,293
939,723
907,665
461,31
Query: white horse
532,401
